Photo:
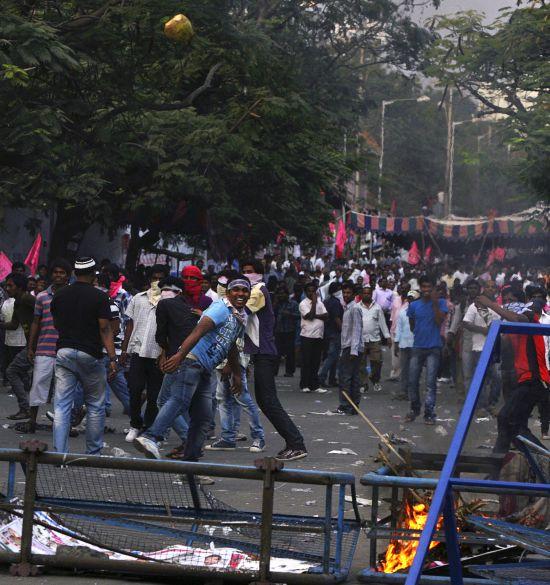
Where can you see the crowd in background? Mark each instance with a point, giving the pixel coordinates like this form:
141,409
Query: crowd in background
175,349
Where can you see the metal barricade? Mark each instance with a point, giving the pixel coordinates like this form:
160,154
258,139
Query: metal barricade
122,511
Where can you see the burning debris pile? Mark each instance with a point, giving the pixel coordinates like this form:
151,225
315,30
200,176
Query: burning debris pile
400,553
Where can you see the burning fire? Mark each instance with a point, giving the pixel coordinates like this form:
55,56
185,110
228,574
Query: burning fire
400,553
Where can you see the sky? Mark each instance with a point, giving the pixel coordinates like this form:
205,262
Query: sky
489,7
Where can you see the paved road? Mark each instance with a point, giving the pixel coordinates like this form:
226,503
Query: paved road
323,434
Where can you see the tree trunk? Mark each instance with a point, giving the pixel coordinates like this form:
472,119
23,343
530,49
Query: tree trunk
67,233
134,250
138,243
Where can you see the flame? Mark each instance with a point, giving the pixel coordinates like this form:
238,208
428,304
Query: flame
400,553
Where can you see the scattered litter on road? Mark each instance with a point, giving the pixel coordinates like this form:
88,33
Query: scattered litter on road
441,430
307,490
358,463
344,451
310,502
118,452
360,501
483,419
446,419
327,413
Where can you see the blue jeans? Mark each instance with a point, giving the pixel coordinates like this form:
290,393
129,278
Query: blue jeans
429,357
74,368
181,423
230,410
119,386
191,391
328,369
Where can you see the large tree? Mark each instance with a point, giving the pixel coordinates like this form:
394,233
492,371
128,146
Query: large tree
230,137
504,66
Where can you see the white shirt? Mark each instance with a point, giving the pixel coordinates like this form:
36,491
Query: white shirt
319,263
374,322
212,294
483,318
14,337
143,315
312,328
462,276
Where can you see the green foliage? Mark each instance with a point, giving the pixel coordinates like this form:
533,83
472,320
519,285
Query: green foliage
232,137
506,67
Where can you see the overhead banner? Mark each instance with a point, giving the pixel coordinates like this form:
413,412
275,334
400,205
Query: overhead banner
529,223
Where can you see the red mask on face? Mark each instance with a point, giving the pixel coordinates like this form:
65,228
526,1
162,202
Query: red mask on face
193,288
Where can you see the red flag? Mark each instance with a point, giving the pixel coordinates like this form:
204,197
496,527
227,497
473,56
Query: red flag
34,254
393,210
5,266
427,254
414,254
340,239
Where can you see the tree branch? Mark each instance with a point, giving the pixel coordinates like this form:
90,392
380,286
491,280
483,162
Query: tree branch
488,103
85,20
186,103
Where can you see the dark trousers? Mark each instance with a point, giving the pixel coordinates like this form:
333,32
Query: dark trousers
286,347
265,368
311,360
143,374
513,418
349,368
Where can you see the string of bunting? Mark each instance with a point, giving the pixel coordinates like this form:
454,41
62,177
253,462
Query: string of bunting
456,231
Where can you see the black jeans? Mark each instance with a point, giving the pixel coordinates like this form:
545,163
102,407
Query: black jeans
286,347
349,367
513,418
311,361
265,368
143,374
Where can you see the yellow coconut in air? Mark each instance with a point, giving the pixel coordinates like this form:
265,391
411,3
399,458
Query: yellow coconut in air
179,29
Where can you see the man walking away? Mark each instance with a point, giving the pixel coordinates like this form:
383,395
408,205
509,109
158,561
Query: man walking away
352,350
425,317
17,373
140,346
312,329
81,315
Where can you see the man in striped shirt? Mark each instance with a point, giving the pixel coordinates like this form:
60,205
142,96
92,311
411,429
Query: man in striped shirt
42,346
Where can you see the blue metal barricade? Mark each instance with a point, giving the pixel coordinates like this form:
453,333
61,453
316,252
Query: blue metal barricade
134,507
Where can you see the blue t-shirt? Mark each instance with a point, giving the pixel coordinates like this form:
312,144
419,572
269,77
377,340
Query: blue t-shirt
213,348
427,333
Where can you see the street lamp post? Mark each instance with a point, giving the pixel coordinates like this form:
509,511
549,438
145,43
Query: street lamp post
452,156
385,104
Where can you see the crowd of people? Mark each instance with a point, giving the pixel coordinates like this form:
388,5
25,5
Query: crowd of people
177,349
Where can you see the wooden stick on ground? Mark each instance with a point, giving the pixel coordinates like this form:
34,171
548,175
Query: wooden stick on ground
386,442
371,425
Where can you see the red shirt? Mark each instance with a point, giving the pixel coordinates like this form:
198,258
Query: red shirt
529,357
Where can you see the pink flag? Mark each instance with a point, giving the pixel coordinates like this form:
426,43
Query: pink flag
414,254
33,256
5,266
340,239
427,254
